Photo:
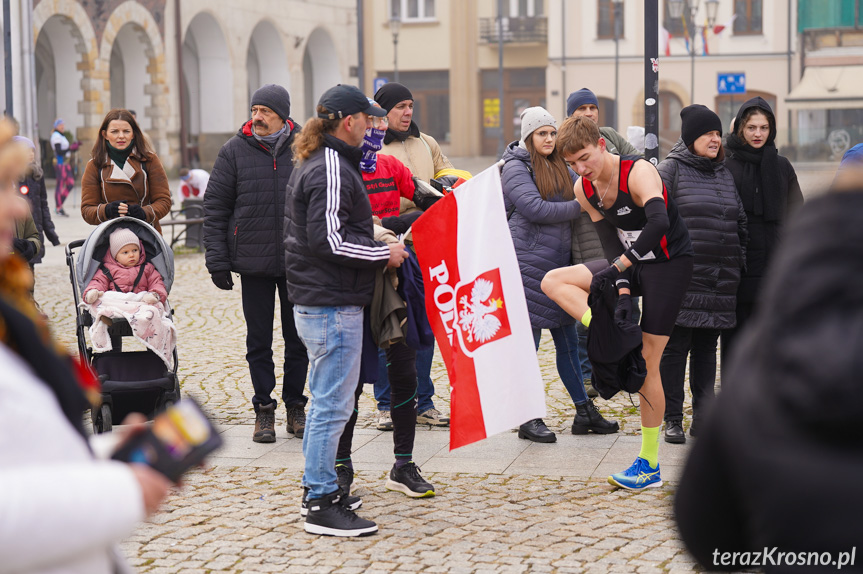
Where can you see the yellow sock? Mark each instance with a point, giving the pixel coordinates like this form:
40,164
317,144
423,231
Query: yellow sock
585,319
650,445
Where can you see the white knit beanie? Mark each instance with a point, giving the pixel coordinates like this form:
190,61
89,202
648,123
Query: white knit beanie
121,238
534,118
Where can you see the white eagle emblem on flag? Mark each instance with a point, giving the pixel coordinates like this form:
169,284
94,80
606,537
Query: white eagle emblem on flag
476,316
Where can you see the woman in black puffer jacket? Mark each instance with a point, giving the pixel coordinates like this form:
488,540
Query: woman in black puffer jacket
767,185
696,177
540,203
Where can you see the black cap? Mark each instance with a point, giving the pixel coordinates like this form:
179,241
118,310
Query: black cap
697,120
391,94
343,100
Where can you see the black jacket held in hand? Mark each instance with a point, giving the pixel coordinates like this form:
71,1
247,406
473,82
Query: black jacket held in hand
331,256
614,343
244,205
707,201
781,455
769,190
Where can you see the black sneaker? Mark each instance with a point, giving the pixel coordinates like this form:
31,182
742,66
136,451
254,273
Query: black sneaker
344,477
328,517
348,501
407,479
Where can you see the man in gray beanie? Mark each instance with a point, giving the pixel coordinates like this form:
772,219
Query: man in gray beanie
243,234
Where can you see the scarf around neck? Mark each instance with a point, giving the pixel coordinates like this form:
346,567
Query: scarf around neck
119,156
271,140
393,135
24,331
762,195
372,144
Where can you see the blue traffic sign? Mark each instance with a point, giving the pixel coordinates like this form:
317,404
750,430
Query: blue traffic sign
379,83
731,83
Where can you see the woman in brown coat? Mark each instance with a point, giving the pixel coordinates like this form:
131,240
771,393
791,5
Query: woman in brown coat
125,177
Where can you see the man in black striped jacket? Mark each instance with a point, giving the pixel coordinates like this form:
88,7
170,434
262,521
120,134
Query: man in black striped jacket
331,259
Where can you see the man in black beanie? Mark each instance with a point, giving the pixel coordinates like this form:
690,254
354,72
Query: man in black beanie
422,155
243,234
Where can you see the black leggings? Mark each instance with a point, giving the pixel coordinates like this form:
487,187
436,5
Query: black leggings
402,373
661,286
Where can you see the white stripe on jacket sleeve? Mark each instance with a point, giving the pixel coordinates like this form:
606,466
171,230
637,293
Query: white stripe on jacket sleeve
337,244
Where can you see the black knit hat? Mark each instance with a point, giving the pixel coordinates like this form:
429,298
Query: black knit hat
274,97
391,94
697,120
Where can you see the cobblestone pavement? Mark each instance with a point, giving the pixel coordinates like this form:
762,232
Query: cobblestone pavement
542,514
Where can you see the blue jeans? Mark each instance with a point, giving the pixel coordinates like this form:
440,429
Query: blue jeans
425,386
566,351
333,337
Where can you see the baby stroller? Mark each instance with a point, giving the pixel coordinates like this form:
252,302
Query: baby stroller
132,381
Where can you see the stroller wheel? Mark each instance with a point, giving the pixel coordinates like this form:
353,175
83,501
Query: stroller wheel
103,420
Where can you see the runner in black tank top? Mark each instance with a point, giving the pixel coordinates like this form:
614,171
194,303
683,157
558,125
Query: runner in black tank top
625,215
649,244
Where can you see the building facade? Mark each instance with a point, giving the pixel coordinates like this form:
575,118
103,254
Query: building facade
85,57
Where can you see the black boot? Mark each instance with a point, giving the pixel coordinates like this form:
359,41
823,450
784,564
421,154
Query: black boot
536,431
674,432
587,418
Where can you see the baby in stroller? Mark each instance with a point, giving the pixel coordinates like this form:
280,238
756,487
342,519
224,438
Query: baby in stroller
122,269
127,286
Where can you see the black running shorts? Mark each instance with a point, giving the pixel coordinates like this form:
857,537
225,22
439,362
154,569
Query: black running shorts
661,287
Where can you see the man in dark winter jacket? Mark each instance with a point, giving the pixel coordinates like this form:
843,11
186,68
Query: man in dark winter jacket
243,216
331,259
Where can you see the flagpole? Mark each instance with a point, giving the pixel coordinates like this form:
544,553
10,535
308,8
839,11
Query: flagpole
651,81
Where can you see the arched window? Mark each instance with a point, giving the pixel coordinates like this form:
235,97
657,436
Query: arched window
669,120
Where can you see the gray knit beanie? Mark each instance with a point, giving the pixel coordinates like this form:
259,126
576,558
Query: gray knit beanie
534,118
274,97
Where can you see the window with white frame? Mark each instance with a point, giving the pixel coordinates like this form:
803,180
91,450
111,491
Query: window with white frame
529,8
407,10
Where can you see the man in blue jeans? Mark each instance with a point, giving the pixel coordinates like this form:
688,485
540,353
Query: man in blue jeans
331,259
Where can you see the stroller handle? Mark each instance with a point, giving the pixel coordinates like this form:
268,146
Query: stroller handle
73,245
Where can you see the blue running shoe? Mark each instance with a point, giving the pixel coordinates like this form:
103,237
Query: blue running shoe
637,477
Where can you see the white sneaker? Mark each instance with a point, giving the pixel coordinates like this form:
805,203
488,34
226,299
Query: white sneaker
385,421
432,417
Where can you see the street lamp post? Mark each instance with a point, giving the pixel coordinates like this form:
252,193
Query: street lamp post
618,16
675,8
395,26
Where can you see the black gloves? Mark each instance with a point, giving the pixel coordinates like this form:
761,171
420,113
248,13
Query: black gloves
53,238
395,224
137,212
401,223
222,280
610,273
424,195
112,210
623,311
24,248
426,201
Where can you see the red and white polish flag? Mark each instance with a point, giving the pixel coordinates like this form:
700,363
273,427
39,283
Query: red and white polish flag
476,306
